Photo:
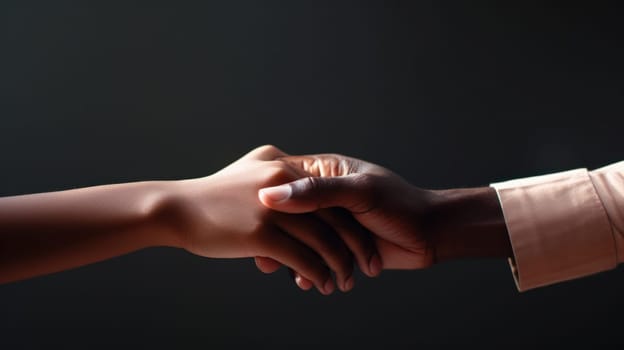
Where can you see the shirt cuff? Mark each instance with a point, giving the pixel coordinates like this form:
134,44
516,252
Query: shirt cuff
558,228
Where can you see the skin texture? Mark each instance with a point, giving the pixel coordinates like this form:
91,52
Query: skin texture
317,215
413,228
217,216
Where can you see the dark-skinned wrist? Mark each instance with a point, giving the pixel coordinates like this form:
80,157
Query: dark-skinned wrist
467,223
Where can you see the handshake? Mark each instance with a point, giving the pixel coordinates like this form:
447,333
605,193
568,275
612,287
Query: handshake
319,215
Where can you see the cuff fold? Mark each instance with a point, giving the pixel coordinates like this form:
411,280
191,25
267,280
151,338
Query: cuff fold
558,228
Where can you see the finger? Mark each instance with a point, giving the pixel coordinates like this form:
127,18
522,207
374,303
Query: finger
320,237
302,282
324,165
354,192
290,252
267,265
358,239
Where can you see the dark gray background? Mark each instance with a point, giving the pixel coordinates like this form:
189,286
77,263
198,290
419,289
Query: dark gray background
446,94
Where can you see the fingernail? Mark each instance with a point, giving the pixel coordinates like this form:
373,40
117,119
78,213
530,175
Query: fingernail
277,193
298,281
375,265
329,286
349,284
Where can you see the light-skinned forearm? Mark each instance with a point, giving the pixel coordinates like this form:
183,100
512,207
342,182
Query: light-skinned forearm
215,216
50,232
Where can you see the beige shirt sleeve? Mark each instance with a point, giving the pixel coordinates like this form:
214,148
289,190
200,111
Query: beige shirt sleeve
565,225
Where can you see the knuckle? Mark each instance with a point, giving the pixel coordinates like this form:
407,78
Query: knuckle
343,165
267,148
306,186
311,183
336,155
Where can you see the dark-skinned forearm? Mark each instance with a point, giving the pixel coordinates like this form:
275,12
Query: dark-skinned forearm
468,223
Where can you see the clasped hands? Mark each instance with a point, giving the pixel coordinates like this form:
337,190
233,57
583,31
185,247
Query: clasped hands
319,215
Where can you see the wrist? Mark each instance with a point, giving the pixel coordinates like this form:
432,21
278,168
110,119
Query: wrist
467,223
166,213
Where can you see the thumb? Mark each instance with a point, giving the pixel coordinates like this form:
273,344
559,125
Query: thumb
353,192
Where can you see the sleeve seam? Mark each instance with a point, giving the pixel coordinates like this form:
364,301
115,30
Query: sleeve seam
515,271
